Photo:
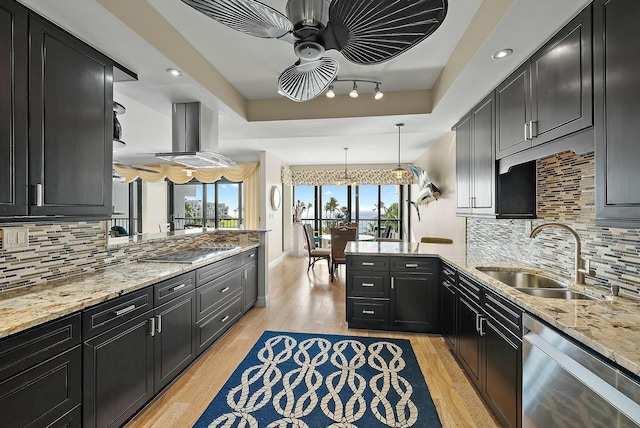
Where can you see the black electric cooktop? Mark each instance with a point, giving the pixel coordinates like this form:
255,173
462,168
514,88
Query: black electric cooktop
192,255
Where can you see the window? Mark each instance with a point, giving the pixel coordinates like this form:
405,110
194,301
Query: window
195,204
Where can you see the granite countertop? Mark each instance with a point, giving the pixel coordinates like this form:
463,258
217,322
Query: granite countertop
610,327
32,306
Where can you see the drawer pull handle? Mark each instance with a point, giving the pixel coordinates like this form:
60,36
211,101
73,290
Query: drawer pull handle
224,319
39,195
411,265
125,310
367,312
224,290
152,327
252,255
178,287
368,264
368,284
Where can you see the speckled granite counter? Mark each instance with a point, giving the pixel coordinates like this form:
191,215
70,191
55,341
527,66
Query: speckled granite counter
26,308
610,327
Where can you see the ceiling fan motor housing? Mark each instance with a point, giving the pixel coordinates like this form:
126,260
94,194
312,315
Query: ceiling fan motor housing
308,13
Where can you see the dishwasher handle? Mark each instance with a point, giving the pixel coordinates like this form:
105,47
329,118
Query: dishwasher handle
591,380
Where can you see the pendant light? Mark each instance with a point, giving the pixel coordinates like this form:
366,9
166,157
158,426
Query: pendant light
345,179
399,171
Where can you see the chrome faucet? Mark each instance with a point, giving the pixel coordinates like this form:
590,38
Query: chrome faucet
582,266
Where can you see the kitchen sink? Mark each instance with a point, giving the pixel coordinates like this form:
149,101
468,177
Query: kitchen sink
556,294
520,279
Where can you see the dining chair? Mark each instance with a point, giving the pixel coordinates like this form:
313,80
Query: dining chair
433,240
315,253
388,231
339,238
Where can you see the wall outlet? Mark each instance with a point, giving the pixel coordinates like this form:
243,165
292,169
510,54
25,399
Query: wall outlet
15,237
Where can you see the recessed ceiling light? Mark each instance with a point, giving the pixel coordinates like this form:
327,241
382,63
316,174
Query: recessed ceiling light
174,72
502,53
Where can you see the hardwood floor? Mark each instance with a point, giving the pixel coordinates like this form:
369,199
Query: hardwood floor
308,303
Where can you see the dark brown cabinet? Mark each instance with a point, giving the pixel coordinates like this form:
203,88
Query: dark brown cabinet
40,375
56,120
551,95
13,109
617,100
475,161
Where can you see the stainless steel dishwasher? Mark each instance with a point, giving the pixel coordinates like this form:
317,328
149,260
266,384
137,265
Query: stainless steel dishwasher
564,385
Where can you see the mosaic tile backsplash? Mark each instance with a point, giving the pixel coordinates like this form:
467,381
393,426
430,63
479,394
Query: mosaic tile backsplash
566,194
59,250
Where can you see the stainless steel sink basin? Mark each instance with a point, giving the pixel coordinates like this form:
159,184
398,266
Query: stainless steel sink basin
520,279
556,294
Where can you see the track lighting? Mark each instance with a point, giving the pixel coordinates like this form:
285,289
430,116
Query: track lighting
354,91
331,93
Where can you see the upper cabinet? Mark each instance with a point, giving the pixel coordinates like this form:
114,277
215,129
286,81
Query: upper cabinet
617,101
549,96
60,164
13,109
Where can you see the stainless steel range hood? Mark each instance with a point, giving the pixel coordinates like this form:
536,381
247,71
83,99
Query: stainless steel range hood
195,137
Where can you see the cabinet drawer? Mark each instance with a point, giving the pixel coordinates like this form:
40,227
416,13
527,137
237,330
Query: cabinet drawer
174,287
104,316
212,327
504,312
30,347
365,311
470,288
368,263
214,270
211,296
360,284
42,394
448,274
249,256
404,264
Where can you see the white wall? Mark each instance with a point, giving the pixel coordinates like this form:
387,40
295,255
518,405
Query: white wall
438,218
272,220
154,207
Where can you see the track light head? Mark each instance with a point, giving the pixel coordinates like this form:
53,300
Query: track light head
330,93
379,94
354,91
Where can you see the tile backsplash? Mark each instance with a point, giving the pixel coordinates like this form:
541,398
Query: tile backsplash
58,250
566,194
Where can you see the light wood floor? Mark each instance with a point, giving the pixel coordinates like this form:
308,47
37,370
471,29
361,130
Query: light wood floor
307,303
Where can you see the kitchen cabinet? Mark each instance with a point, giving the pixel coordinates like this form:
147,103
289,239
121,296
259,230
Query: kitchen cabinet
393,293
551,95
56,120
415,294
40,375
449,306
469,338
475,162
13,108
617,99
118,372
249,280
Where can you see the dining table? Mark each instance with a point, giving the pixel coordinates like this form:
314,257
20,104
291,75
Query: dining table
361,237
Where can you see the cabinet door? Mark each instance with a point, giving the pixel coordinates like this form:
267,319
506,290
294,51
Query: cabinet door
501,385
617,101
483,157
449,314
415,302
463,164
71,124
118,373
513,112
250,285
13,109
469,339
561,82
175,341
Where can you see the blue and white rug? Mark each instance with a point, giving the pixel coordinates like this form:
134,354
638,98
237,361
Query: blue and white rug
316,380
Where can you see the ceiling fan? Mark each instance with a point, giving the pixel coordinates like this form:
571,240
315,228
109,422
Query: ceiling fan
365,32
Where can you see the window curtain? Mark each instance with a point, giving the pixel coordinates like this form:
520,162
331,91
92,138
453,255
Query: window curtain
251,189
180,174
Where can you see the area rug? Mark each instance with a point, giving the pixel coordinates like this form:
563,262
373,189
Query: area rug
317,380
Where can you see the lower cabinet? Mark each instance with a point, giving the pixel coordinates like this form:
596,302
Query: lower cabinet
485,336
249,285
393,293
449,306
40,376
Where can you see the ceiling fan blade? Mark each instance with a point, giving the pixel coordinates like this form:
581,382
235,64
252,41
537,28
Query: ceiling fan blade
373,31
247,16
305,80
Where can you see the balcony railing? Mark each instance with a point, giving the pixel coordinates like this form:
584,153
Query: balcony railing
365,227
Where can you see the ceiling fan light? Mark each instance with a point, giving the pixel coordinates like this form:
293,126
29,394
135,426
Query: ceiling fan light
379,94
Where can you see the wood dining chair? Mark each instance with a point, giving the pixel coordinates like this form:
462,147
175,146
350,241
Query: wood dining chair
314,252
339,238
